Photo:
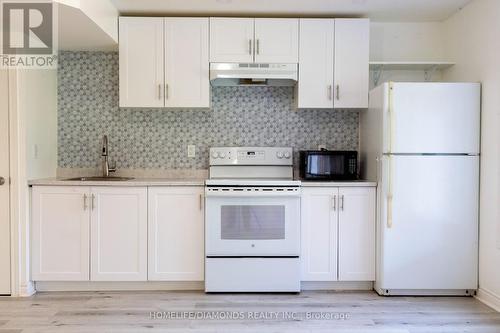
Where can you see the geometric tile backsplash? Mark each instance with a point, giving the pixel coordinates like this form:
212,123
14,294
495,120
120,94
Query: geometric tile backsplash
158,138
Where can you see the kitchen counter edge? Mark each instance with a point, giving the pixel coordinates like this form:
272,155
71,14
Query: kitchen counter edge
180,182
125,183
357,183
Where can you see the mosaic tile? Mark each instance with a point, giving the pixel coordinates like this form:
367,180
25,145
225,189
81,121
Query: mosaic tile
158,138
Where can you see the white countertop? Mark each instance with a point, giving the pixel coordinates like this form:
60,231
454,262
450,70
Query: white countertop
181,182
131,182
350,183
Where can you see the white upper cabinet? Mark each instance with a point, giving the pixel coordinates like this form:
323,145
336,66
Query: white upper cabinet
187,81
319,234
356,234
164,62
247,40
60,233
276,40
176,234
231,39
118,233
352,53
334,63
315,86
141,62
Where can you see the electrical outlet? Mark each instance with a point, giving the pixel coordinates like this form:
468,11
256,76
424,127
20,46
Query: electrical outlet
321,147
191,150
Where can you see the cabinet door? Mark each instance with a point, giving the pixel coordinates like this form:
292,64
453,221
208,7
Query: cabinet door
319,234
141,62
276,40
60,233
231,39
315,86
119,234
351,73
187,81
176,234
357,234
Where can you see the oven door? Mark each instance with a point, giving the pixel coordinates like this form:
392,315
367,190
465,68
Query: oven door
252,222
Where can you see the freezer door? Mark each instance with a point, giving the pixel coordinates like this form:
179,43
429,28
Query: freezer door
433,118
429,229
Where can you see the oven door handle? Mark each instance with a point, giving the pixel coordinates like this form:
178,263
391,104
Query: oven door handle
252,195
253,192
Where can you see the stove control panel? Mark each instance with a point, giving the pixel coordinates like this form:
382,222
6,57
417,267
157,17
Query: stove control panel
251,156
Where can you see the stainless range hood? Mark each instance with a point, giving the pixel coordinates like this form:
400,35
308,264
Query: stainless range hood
249,74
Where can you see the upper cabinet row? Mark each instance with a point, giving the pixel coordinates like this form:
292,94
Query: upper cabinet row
164,62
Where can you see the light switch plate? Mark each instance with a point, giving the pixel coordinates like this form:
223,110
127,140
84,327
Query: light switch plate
191,151
35,151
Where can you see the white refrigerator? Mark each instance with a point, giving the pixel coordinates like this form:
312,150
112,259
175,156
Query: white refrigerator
421,142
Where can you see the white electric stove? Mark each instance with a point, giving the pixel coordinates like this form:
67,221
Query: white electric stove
252,219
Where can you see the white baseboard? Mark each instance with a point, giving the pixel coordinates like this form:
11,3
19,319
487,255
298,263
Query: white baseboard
27,290
489,298
117,286
337,285
181,285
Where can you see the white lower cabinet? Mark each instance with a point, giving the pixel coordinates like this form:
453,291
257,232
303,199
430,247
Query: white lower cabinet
81,233
319,234
119,234
176,234
60,233
338,233
356,251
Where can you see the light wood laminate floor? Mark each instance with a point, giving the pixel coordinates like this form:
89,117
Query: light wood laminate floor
133,312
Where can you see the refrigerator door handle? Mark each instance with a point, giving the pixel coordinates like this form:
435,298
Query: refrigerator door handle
389,193
391,119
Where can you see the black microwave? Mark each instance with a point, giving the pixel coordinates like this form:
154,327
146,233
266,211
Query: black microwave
329,165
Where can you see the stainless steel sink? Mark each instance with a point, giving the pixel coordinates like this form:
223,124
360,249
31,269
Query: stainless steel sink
98,179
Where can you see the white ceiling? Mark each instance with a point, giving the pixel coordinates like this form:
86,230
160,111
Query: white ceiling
379,10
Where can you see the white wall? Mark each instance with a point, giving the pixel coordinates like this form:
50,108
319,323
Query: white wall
406,42
33,118
473,42
394,41
38,102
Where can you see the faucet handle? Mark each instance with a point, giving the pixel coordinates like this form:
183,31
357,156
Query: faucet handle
112,167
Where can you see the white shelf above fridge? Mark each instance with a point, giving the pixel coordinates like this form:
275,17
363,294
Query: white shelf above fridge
410,65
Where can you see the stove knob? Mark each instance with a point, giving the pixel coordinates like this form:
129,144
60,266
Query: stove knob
279,154
222,155
287,155
215,154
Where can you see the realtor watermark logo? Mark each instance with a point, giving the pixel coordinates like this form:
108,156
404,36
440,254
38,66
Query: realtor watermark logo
29,34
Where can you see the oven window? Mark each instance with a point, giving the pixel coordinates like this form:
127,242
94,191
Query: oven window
321,165
253,222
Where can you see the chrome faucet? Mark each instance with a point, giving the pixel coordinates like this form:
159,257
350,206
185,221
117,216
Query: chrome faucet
106,169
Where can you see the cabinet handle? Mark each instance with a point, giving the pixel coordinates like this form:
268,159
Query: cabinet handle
334,203
338,92
92,202
258,46
329,92
201,201
166,91
159,91
250,47
342,202
85,206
